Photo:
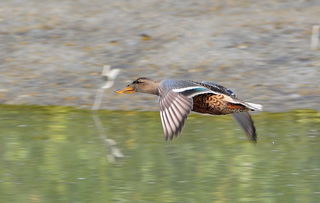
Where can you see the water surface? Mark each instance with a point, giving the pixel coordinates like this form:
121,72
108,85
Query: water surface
58,154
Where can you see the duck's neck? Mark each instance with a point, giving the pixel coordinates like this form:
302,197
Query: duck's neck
153,88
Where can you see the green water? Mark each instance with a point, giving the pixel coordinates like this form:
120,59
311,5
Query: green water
60,154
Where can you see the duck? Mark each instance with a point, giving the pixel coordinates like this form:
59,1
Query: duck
178,98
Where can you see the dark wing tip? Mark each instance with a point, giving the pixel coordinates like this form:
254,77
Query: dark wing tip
245,121
253,137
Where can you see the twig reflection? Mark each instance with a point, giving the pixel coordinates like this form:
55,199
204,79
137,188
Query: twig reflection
113,151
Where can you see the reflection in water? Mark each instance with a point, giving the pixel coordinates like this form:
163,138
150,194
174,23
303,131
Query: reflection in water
50,155
113,151
109,75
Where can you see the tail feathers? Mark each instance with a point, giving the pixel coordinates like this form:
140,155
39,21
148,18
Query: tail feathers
254,107
235,104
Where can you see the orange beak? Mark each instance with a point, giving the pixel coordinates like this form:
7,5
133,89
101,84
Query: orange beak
127,90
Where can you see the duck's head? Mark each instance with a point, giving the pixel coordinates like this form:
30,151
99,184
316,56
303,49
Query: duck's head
143,85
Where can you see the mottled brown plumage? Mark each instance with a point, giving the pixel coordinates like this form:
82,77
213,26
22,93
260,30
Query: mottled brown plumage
215,105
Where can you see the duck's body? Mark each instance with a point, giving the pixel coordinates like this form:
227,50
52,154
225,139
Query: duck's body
179,97
215,105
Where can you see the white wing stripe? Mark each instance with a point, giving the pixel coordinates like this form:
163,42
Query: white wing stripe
184,89
204,92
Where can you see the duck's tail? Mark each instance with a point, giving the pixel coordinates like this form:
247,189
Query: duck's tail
238,104
253,106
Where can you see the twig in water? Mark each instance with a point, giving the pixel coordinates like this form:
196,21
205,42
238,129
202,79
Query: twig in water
108,76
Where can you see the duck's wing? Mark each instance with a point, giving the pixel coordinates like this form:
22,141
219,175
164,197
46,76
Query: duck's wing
217,88
174,110
245,121
176,103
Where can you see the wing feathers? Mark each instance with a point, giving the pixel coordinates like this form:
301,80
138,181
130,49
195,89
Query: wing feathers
174,118
174,109
193,91
163,123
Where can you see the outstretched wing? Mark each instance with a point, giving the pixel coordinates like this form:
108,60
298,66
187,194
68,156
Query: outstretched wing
245,121
176,102
217,88
174,109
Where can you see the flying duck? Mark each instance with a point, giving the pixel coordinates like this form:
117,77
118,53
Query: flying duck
178,98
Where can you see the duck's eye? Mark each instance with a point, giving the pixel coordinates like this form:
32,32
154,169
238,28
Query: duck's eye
137,82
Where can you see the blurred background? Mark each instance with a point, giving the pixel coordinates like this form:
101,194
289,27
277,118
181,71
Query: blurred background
52,52
51,57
